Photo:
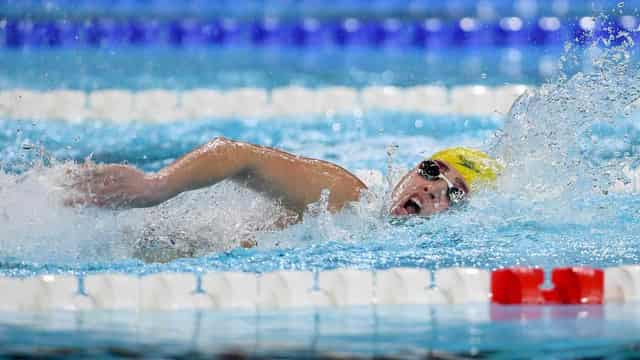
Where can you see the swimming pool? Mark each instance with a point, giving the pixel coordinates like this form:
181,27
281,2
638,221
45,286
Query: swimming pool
577,205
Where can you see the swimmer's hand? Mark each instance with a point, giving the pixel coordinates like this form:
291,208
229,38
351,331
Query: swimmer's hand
111,186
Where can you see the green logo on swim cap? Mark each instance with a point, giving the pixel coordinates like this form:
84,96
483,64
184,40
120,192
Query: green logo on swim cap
468,164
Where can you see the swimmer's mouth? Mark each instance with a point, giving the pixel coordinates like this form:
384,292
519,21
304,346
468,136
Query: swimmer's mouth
413,206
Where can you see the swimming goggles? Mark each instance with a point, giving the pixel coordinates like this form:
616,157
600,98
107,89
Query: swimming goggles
430,170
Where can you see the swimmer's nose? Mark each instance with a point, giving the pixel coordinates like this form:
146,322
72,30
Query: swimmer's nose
428,194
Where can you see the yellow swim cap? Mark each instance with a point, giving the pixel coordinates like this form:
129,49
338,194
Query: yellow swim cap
476,167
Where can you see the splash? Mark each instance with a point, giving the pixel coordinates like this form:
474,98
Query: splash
575,136
38,227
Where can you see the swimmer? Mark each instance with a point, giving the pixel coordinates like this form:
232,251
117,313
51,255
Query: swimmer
438,183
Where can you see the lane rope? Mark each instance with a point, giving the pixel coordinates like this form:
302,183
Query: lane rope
335,288
159,105
310,32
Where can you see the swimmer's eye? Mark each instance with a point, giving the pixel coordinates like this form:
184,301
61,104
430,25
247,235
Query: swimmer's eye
431,171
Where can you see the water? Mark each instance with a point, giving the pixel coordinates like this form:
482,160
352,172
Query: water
565,147
78,249
529,227
362,332
196,67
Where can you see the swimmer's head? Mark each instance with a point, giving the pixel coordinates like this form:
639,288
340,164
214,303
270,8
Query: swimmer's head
442,181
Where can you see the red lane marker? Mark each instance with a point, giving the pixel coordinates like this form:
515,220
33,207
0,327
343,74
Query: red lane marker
572,285
517,286
578,285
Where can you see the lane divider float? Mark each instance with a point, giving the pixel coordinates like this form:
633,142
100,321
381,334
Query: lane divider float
578,286
309,32
571,286
161,106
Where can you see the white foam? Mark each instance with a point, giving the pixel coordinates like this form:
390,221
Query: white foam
33,217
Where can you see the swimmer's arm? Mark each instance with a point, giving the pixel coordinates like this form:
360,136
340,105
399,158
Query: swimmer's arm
295,181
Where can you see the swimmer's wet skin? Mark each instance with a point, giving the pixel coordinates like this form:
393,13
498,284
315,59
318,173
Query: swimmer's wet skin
434,185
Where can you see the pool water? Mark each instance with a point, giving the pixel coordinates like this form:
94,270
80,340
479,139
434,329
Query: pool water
361,332
539,219
222,68
567,148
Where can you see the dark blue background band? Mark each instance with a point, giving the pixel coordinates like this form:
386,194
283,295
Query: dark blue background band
316,8
309,32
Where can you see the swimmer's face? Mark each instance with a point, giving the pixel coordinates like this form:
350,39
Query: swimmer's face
416,195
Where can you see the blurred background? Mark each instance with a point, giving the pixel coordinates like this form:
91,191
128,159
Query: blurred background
91,45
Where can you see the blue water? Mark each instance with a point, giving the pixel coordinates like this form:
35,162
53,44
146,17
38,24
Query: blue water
597,230
143,68
364,332
566,145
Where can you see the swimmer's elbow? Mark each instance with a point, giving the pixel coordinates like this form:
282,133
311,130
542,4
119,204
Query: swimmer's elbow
219,141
